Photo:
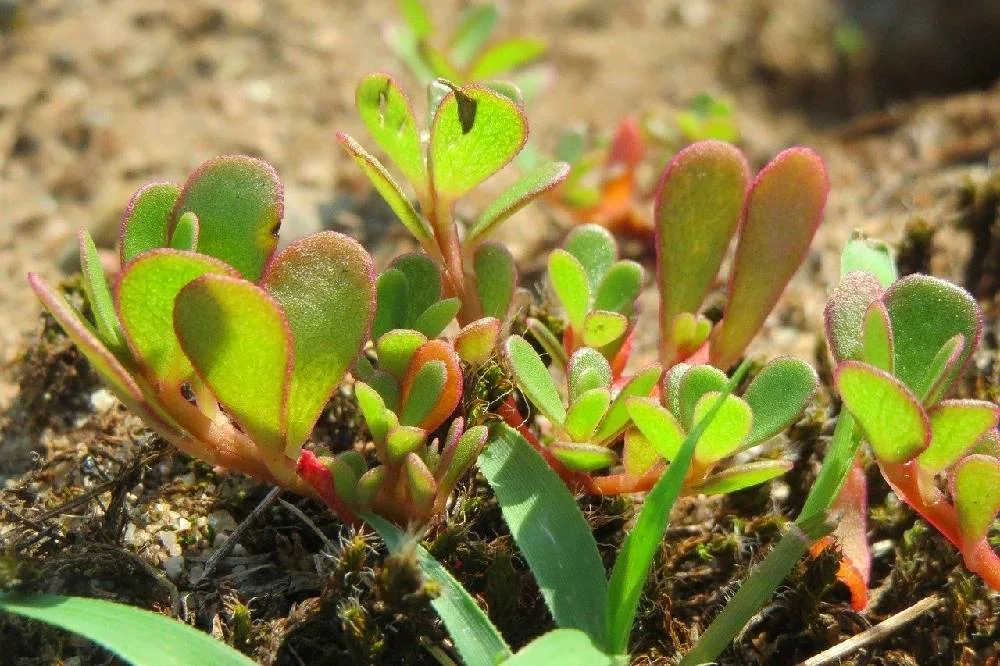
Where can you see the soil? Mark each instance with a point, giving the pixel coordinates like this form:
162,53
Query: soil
100,96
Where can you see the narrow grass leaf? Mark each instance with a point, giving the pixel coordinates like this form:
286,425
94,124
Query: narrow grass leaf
146,219
134,634
544,519
477,640
533,378
563,646
386,112
525,189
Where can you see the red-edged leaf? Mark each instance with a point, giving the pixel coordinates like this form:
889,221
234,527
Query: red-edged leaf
146,219
451,392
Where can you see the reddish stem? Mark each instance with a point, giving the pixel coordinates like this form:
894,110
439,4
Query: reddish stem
919,492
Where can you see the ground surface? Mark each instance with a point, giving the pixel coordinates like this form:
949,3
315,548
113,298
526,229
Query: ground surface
97,98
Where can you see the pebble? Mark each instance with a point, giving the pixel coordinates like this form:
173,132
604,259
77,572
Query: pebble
173,566
102,401
169,541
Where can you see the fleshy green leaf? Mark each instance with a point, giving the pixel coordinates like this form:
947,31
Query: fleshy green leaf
602,327
369,485
874,257
778,395
740,477
475,133
696,382
876,338
145,293
95,285
478,23
424,281
185,233
547,340
890,415
426,385
583,457
387,114
416,17
587,369
689,333
345,470
387,186
940,375
476,342
496,277
844,315
569,280
239,342
956,425
134,634
446,399
325,285
657,425
455,460
594,247
727,434
926,312
670,388
976,489
437,317
374,410
421,482
396,348
403,440
527,188
586,413
619,287
640,385
638,453
784,206
239,204
533,379
544,518
698,206
392,298
145,220
507,56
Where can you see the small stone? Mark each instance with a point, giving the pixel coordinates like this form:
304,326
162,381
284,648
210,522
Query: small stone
169,541
102,401
173,566
221,521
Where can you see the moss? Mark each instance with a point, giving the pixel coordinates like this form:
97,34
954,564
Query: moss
915,249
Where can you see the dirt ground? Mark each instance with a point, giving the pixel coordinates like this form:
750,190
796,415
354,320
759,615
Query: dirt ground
99,97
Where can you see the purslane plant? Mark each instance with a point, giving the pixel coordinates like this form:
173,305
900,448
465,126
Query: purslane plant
203,309
475,130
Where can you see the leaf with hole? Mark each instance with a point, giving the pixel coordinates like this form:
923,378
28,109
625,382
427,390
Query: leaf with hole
386,112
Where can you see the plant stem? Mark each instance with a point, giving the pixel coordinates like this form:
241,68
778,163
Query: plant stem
810,525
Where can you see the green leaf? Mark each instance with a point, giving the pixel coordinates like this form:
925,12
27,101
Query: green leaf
403,440
405,45
345,470
874,257
586,413
876,338
562,646
638,453
387,114
631,569
619,287
740,477
476,342
416,17
657,425
544,519
784,206
507,56
476,638
392,302
976,489
533,379
778,395
185,234
641,384
569,281
583,457
421,482
145,220
239,342
478,23
844,315
727,434
325,283
396,348
374,410
547,340
698,206
371,483
496,277
134,634
939,375
695,383
689,333
602,328
890,415
424,283
955,426
95,286
527,188
475,133
437,317
594,247
390,190
456,459
587,369
926,312
239,204
146,292
427,383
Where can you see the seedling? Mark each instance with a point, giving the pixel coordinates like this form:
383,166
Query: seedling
585,430
474,132
203,310
900,348
470,53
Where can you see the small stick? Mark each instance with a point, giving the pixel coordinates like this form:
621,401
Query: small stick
230,543
874,634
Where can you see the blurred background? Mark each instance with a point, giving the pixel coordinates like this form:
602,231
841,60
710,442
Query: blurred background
100,96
